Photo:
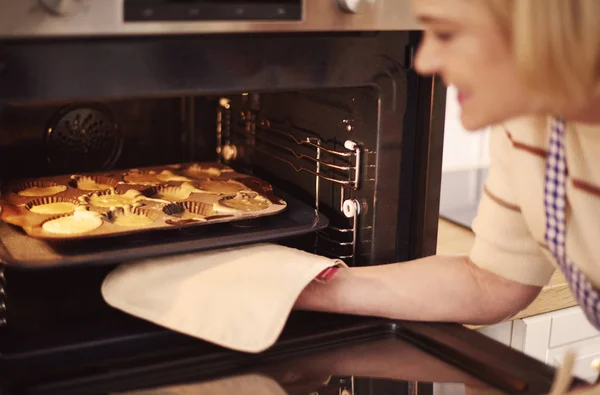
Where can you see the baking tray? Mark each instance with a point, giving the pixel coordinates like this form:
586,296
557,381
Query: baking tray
93,205
23,252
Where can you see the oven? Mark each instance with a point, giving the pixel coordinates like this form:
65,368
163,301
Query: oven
317,97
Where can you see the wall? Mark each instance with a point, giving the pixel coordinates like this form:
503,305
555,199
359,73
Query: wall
462,149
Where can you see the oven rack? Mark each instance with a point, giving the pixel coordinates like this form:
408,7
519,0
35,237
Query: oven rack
353,150
342,231
350,208
322,159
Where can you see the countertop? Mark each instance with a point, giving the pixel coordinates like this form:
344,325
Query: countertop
457,240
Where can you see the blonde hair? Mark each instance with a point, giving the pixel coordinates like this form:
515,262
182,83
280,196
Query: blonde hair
556,46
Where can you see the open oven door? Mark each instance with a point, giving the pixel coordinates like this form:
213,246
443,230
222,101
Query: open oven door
317,354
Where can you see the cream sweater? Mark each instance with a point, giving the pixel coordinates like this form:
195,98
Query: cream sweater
510,224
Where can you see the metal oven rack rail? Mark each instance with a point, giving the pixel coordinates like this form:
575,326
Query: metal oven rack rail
322,159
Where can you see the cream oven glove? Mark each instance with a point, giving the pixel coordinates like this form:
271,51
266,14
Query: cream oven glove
238,298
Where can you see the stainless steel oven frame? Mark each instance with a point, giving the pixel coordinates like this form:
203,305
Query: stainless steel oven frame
95,18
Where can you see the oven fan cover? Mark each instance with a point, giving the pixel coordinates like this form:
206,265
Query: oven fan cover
83,138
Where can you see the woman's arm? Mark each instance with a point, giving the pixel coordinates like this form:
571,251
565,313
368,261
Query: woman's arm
436,288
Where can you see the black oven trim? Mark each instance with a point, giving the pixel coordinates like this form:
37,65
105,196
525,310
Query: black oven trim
427,175
112,68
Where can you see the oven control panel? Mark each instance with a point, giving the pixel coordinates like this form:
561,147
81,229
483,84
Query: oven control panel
212,10
84,18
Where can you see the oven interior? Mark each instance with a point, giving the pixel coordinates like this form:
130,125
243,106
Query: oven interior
319,147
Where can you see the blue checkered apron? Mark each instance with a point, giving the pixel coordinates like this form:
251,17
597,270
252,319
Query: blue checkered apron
555,203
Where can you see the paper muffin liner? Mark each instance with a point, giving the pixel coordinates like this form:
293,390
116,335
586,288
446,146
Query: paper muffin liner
52,199
23,186
78,182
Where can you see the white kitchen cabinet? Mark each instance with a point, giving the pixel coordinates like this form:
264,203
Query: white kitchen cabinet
500,332
547,338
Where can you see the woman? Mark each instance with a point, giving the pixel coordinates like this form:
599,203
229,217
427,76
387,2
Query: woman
531,68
